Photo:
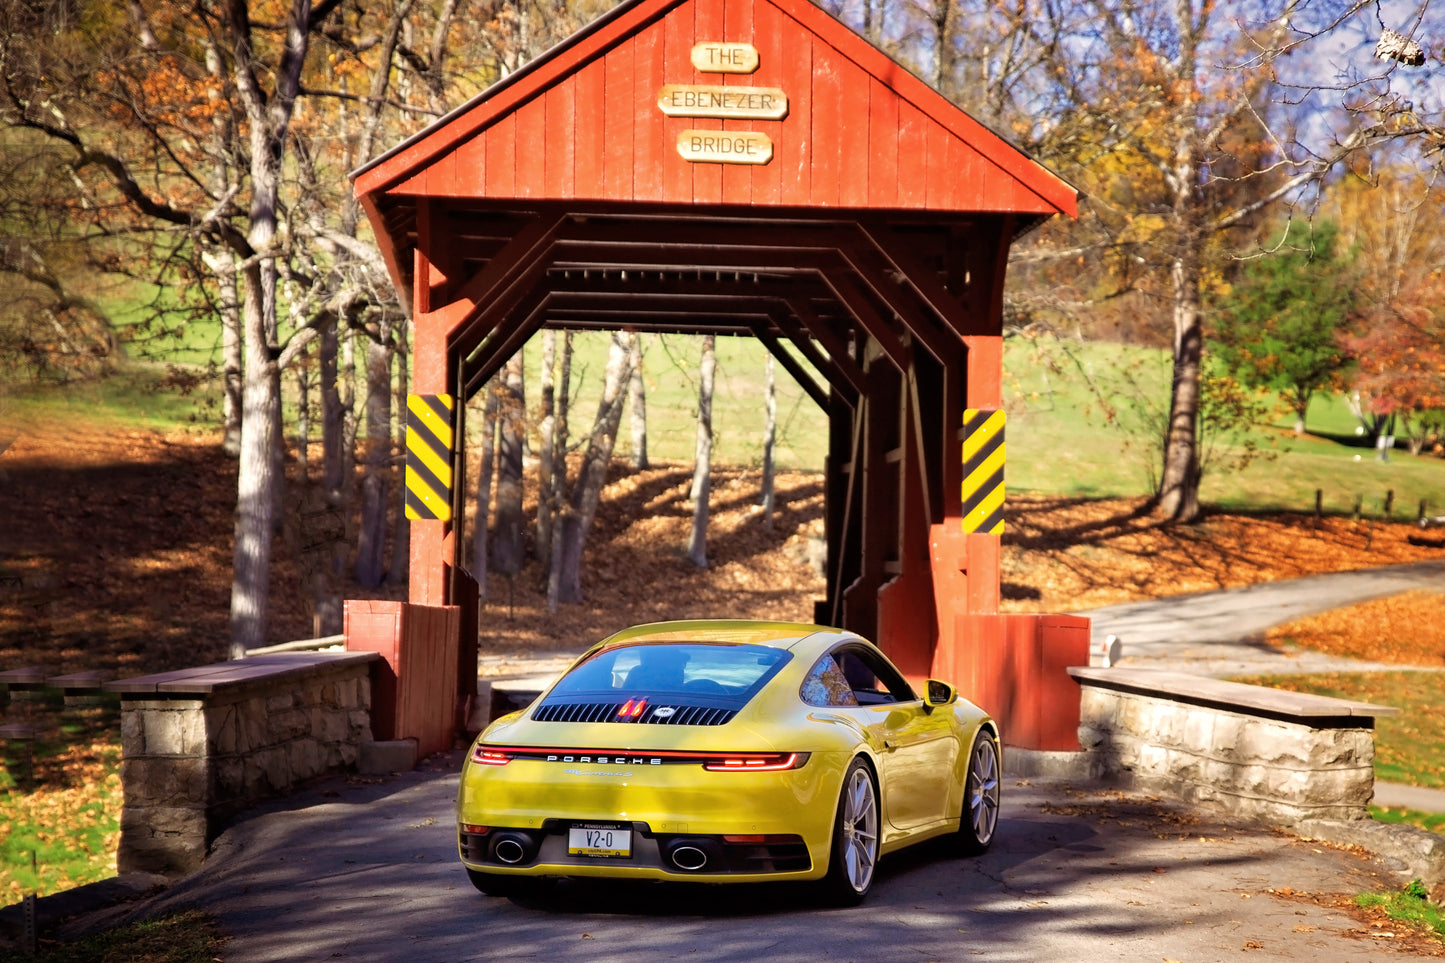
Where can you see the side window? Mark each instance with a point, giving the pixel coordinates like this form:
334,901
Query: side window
827,686
873,680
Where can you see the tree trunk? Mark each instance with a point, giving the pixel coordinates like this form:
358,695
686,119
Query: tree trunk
555,486
303,420
637,406
547,453
702,470
376,458
258,485
232,383
333,415
399,569
770,438
255,482
1179,482
507,533
582,506
485,471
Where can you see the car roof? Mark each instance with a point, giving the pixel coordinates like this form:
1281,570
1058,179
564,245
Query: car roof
782,635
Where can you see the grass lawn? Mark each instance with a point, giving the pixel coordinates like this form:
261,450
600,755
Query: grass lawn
143,396
1409,747
60,801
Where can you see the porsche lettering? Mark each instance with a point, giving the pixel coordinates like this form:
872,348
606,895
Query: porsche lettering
608,760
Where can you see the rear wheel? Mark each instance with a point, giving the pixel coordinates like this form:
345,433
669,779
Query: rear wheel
854,854
496,884
979,819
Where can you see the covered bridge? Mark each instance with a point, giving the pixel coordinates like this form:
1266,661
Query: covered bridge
745,167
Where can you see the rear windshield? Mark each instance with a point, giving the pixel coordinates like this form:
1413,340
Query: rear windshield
681,671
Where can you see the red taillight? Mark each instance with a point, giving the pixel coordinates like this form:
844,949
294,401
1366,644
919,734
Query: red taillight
490,757
632,708
757,762
475,830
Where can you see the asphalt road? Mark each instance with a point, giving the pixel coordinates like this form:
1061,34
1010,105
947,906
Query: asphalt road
366,870
1221,633
362,871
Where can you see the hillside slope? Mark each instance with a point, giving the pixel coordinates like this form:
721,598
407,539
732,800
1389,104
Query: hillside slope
115,552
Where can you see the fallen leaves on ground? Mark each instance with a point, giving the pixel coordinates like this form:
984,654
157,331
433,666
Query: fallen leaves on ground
1406,629
1374,925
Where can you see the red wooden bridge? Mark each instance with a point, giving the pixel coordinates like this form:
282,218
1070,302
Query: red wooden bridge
742,167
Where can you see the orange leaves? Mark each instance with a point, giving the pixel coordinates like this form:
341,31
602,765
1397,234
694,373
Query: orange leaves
1406,630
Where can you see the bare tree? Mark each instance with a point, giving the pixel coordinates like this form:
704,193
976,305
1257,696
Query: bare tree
376,459
701,492
565,581
554,482
770,438
637,407
486,472
507,546
546,444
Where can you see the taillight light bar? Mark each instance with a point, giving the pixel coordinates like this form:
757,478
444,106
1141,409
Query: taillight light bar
756,762
711,761
490,757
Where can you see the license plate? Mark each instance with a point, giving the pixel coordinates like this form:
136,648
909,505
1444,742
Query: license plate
599,839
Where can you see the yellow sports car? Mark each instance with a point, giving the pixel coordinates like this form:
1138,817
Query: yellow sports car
726,752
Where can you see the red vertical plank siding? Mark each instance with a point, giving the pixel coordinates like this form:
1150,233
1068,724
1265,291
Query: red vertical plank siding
828,69
973,186
737,179
501,172
793,145
468,171
679,29
649,152
618,116
855,159
706,178
531,142
938,177
560,148
882,146
912,156
590,130
441,178
767,29
416,184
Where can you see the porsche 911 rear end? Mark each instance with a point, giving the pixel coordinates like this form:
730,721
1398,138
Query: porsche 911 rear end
646,761
641,813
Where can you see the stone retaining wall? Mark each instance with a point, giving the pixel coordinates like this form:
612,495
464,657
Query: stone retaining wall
1270,756
199,745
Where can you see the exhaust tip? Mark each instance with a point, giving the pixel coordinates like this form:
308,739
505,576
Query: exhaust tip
689,858
509,851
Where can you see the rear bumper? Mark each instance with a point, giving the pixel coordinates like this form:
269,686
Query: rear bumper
714,858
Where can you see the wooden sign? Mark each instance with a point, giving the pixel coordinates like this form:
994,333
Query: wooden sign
711,57
706,100
725,146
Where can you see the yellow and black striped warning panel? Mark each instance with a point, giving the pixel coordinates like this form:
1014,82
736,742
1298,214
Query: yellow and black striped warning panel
983,471
429,457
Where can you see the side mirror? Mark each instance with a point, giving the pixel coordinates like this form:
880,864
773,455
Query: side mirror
936,693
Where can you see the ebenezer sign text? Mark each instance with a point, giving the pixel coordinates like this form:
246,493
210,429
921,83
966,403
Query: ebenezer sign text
704,100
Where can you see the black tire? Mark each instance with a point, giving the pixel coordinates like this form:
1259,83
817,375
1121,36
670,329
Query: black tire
853,856
978,821
496,884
